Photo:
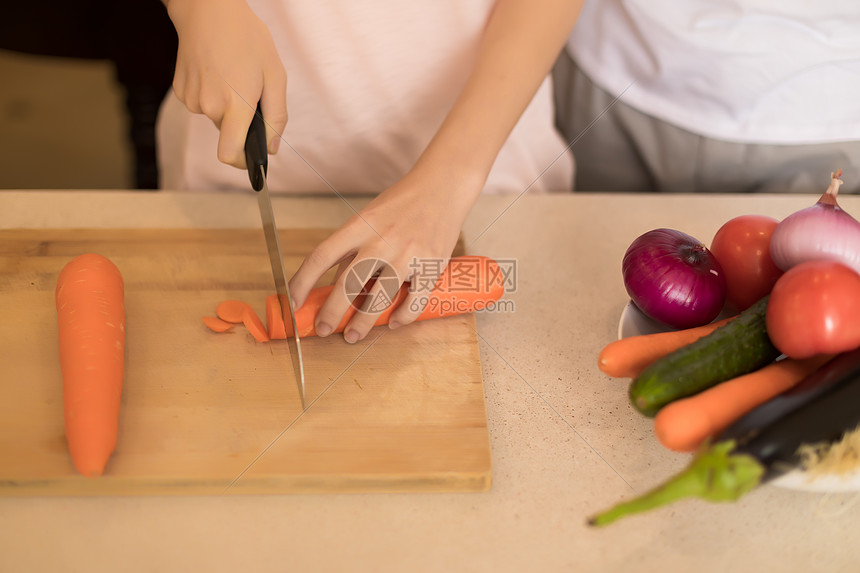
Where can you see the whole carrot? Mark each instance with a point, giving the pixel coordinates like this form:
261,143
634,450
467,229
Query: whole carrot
91,332
683,425
628,357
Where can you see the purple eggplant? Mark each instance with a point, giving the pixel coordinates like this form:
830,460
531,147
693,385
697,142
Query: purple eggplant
823,407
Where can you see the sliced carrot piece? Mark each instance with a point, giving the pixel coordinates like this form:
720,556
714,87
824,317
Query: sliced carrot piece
216,324
254,325
274,319
233,311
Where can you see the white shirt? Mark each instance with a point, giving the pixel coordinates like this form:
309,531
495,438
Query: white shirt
368,84
755,71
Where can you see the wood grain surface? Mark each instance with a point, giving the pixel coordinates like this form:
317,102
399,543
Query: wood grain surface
207,413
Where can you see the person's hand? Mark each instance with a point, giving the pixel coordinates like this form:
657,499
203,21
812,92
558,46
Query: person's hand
226,63
413,222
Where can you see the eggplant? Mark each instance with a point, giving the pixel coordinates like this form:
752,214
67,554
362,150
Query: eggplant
763,444
823,407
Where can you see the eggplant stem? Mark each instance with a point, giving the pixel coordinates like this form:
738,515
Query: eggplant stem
715,474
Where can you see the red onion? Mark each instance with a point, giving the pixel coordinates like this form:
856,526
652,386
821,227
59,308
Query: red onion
674,278
820,232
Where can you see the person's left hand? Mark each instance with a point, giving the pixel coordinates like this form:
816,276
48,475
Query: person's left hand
417,219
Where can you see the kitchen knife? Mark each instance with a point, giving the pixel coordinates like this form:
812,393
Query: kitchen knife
257,160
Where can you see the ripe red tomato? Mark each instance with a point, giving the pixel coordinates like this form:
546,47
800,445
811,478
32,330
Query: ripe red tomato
814,308
742,247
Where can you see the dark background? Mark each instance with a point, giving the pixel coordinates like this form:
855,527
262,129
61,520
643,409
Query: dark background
81,85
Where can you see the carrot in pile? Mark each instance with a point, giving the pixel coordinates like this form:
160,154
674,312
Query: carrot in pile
683,425
452,294
628,357
91,331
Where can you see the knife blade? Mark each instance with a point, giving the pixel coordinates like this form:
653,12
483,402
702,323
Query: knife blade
257,160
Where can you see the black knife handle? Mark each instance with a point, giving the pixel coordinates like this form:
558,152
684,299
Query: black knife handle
256,152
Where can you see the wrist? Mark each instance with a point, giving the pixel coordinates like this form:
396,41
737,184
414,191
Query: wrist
454,179
178,9
457,162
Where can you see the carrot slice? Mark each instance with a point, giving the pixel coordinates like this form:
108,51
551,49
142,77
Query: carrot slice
274,319
254,325
91,333
683,425
628,357
216,324
233,311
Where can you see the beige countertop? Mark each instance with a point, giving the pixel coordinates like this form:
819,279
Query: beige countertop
564,441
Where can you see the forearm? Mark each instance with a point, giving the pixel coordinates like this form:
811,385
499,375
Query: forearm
517,51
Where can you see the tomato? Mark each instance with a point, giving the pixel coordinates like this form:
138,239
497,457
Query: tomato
742,247
814,308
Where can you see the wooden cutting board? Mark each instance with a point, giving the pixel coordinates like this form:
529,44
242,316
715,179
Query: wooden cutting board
206,413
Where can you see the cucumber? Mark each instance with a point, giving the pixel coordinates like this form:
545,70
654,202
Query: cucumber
734,349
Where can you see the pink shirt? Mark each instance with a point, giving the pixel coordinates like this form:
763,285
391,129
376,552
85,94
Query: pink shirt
368,84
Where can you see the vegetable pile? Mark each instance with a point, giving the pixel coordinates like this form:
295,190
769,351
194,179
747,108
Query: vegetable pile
750,393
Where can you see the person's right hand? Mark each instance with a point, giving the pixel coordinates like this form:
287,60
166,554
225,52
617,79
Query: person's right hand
226,63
